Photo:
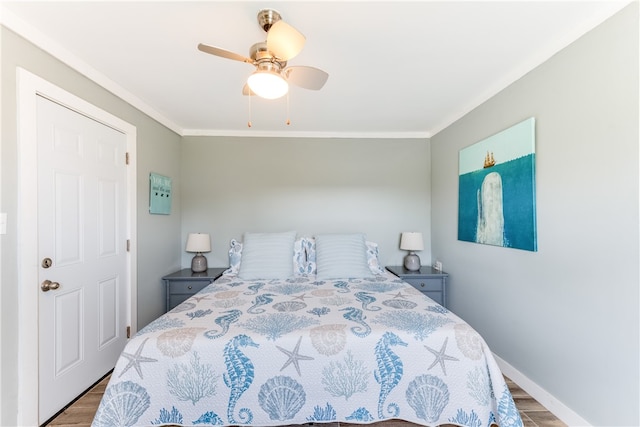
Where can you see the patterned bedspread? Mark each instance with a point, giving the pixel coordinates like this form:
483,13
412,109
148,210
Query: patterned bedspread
296,351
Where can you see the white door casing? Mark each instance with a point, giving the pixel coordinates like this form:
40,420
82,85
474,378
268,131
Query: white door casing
30,87
81,235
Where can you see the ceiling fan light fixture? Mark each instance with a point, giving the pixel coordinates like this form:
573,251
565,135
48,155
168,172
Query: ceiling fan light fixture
267,84
284,41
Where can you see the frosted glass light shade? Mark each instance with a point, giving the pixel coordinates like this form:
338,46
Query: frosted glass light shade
267,84
198,242
284,41
411,241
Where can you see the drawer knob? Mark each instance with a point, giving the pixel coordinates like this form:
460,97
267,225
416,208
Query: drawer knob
189,287
422,285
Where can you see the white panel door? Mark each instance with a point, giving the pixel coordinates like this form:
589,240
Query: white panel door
82,252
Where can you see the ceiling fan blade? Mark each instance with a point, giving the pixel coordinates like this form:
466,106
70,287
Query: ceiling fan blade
306,77
223,53
284,41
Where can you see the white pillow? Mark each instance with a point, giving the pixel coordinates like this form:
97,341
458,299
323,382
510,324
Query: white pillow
267,256
341,256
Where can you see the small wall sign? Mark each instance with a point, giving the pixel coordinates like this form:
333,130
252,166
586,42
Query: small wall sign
159,194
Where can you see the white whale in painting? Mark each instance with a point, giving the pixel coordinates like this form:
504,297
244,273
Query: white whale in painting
490,228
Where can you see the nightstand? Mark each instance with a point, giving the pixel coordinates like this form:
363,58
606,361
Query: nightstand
185,283
427,280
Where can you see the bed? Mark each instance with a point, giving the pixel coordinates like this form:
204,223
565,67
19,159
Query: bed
265,347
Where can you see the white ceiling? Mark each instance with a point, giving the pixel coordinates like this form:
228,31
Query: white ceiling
396,69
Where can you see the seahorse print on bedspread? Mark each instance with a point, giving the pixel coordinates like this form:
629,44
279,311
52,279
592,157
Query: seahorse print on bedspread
239,376
389,372
224,322
356,315
253,289
260,300
366,299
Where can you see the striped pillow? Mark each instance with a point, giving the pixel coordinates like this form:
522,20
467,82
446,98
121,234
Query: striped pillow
267,256
341,256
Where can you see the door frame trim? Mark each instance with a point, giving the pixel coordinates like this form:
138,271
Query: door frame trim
29,87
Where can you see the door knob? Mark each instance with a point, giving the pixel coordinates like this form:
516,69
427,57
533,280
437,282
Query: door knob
48,285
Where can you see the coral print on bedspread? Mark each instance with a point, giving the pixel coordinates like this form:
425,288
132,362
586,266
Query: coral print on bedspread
300,350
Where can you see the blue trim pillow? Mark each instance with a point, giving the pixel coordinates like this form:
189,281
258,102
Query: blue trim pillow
309,246
235,254
267,256
341,256
372,258
300,264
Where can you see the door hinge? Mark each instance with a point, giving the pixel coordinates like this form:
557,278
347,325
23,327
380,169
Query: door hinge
128,332
128,245
126,158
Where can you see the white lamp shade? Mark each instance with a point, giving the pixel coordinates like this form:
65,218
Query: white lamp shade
198,242
267,84
411,241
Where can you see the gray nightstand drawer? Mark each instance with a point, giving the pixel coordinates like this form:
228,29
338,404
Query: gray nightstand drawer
430,282
425,284
188,287
185,283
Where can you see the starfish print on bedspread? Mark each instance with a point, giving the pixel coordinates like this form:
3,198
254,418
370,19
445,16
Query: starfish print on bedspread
400,295
135,360
441,356
294,357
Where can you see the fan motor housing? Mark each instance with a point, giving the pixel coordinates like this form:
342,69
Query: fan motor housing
268,17
260,54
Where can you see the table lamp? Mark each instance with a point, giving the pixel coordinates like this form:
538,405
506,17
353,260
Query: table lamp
198,243
411,241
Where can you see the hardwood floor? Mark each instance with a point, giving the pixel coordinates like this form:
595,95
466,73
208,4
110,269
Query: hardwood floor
81,412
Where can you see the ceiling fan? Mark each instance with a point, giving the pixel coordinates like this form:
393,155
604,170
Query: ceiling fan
272,77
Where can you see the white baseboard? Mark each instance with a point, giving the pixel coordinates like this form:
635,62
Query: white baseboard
553,405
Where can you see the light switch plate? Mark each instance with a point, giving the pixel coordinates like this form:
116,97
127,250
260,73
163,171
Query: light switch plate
438,265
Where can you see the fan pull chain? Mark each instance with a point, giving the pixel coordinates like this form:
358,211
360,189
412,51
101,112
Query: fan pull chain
249,122
288,120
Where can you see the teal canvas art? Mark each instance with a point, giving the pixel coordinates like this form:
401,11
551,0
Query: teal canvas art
496,193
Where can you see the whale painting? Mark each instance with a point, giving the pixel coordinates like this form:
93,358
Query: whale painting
496,193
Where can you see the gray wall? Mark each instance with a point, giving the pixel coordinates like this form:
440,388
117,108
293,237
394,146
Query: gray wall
376,186
567,315
158,150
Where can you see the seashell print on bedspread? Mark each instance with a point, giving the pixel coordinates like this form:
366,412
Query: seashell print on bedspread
300,350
